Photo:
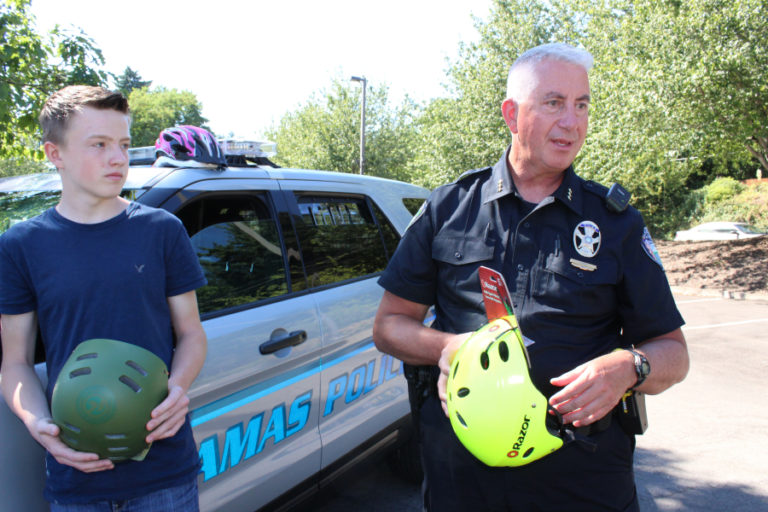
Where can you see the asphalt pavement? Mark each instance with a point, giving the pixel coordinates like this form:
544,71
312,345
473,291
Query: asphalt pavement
706,448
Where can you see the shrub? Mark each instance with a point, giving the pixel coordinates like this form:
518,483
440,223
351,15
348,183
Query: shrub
18,166
748,206
722,189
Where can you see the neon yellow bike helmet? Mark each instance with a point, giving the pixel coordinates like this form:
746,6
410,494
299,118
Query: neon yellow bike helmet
496,411
104,395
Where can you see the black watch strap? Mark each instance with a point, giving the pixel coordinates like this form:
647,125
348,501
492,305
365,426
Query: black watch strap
642,367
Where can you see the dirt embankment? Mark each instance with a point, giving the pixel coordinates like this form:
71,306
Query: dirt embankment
733,266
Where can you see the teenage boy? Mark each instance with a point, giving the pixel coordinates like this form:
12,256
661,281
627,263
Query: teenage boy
99,266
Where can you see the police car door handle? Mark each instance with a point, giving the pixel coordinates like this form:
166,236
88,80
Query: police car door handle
281,338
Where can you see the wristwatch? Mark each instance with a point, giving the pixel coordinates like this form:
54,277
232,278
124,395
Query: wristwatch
642,367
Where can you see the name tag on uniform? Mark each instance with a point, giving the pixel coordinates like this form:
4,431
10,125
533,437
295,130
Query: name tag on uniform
583,265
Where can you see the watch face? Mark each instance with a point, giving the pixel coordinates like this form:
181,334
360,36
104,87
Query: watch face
642,366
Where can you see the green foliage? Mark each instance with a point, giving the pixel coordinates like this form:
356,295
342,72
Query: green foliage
722,189
155,110
19,165
466,130
749,205
678,94
325,133
32,67
129,81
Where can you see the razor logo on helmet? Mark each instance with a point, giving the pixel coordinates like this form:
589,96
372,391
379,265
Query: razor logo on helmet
521,438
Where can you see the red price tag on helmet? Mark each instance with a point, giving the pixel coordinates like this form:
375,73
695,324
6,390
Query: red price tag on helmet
498,302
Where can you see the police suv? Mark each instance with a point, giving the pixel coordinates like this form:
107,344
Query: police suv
293,391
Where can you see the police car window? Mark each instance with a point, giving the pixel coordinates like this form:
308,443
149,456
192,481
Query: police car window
388,233
238,244
413,204
340,239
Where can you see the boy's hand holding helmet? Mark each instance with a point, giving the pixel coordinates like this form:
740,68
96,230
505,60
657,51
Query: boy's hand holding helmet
104,396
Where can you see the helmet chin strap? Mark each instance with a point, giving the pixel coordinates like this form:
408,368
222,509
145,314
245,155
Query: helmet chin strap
569,433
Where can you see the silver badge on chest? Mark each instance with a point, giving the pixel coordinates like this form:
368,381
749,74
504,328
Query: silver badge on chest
586,238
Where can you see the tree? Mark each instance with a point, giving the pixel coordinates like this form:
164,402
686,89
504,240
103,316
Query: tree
129,81
678,91
684,94
724,94
155,110
33,66
19,165
325,133
466,130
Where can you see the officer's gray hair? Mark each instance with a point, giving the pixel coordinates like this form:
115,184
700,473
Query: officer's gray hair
518,86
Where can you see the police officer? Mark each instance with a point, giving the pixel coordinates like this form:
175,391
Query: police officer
585,280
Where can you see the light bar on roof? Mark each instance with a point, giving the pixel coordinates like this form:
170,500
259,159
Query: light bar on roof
142,153
248,147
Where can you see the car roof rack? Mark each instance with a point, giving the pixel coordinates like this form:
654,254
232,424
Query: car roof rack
238,152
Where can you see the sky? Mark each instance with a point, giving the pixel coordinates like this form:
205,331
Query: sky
249,62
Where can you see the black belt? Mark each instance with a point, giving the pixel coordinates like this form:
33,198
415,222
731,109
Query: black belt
598,426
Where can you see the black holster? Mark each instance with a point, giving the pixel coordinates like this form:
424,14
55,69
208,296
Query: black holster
632,414
421,383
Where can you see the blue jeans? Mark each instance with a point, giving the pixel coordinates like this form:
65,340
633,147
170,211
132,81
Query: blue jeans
182,498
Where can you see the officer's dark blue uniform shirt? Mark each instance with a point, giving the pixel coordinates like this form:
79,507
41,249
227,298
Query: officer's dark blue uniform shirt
584,279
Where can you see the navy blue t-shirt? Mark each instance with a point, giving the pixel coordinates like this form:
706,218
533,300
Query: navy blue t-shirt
105,280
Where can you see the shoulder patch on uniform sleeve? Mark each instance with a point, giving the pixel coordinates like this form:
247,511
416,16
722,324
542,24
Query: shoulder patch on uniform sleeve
418,215
650,248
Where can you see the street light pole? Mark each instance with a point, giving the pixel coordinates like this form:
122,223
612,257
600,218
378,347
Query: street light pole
362,122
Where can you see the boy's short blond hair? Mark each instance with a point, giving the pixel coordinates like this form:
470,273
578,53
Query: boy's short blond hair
64,103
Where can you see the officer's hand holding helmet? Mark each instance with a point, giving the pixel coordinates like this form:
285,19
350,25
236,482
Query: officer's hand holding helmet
496,411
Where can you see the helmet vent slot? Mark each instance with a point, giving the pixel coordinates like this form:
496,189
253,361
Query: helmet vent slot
71,428
461,420
462,392
503,351
137,367
484,360
117,449
91,355
115,437
86,370
455,370
130,383
72,442
528,452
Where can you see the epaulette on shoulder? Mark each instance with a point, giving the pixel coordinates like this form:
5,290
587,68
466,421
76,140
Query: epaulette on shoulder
472,172
596,188
616,197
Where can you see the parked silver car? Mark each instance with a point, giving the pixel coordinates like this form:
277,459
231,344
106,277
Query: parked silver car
718,231
293,391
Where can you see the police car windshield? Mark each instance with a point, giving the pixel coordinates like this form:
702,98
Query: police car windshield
23,197
22,205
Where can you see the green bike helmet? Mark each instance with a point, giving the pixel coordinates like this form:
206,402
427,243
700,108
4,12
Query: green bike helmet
104,395
495,410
